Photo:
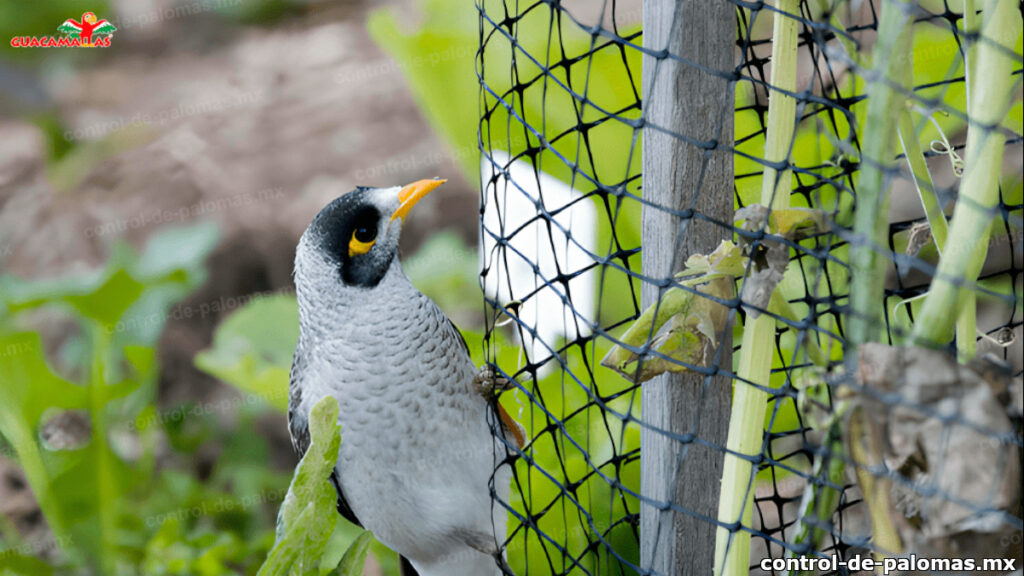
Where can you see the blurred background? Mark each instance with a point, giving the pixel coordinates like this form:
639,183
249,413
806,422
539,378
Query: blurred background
148,191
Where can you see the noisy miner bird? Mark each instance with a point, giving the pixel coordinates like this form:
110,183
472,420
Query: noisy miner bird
417,453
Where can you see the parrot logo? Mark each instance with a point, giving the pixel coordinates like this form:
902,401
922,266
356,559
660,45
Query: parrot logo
88,30
87,33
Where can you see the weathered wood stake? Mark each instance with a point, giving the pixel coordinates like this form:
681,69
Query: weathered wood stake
682,99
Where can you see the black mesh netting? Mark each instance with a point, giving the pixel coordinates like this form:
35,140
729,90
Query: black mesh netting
854,442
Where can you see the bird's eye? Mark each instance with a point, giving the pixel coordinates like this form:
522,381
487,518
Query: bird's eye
365,234
363,238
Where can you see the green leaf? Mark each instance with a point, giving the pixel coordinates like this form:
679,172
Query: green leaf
726,261
312,473
308,515
142,360
440,58
252,349
18,294
178,249
132,293
285,553
694,321
345,533
355,557
29,387
82,492
62,480
108,302
171,267
14,564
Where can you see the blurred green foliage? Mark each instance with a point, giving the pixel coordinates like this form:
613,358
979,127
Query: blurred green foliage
111,509
249,354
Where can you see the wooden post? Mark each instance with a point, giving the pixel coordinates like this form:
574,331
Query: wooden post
683,99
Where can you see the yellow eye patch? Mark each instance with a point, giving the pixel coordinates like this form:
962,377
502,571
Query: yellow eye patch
357,246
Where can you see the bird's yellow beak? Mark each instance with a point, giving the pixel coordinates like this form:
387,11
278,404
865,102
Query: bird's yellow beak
413,193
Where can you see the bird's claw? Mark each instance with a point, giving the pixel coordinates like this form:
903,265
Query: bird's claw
487,382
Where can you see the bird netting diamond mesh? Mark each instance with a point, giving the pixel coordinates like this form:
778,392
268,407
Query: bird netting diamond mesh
892,447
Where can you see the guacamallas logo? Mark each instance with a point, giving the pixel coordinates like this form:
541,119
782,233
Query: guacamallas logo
90,32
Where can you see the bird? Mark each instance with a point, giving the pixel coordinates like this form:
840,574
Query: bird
419,453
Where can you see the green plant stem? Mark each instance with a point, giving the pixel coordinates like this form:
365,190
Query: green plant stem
746,431
30,458
779,306
967,327
922,178
964,256
971,25
820,500
892,57
105,480
10,538
966,324
855,55
967,321
746,420
892,60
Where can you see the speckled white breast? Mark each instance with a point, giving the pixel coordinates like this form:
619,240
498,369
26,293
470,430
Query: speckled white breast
417,453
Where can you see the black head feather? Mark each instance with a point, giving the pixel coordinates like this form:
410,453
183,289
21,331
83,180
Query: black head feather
333,228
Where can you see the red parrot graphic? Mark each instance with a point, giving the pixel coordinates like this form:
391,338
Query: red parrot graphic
86,28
